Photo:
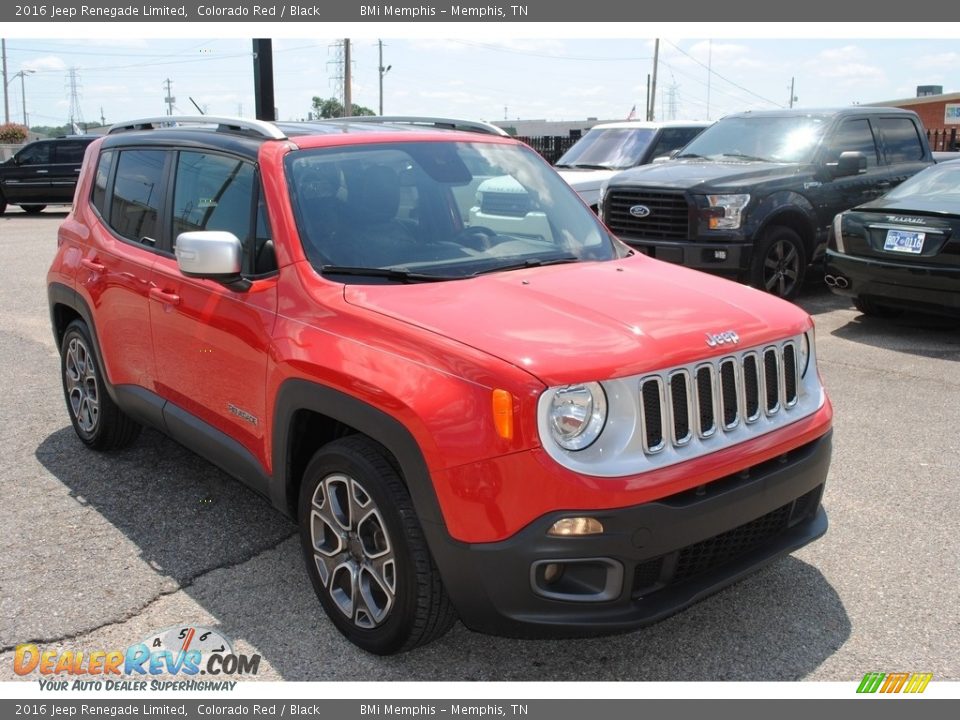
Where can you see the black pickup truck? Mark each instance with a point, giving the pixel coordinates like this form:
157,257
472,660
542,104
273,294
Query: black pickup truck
753,196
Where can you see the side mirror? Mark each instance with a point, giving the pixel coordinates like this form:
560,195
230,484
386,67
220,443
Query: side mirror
212,254
851,162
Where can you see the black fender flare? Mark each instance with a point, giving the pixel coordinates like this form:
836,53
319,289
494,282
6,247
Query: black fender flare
296,394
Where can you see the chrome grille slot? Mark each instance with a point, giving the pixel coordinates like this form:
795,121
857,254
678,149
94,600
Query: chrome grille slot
729,393
790,377
771,380
706,415
680,404
652,411
751,388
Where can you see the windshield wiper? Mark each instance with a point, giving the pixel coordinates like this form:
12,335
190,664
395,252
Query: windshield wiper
584,166
389,273
689,156
746,157
529,263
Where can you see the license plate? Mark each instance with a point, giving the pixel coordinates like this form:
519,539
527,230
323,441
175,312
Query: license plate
904,241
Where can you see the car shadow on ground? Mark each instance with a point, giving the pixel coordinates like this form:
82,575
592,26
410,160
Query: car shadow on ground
14,213
188,519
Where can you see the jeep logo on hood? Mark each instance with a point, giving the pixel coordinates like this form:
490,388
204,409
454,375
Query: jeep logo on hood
722,338
640,211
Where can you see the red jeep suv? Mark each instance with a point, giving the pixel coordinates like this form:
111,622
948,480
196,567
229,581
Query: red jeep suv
537,431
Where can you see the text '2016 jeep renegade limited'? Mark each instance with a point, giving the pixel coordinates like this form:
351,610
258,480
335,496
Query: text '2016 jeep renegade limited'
754,196
539,432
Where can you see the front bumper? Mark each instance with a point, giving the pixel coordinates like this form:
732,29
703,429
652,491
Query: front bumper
652,559
910,286
722,258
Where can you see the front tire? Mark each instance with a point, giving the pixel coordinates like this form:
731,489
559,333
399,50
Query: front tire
365,551
779,263
97,420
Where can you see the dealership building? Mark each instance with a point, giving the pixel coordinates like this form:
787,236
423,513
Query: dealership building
939,112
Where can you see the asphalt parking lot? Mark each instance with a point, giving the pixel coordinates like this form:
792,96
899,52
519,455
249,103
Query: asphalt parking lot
100,551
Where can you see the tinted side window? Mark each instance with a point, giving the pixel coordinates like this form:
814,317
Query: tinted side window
900,139
137,193
854,136
213,192
99,196
69,152
672,139
36,154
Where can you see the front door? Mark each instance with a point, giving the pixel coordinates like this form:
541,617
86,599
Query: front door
26,178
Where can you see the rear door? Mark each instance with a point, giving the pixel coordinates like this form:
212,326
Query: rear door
65,169
903,150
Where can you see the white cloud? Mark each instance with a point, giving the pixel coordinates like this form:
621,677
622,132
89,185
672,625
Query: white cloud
938,61
48,63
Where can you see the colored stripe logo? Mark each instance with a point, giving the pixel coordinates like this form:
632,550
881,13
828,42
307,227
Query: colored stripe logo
894,682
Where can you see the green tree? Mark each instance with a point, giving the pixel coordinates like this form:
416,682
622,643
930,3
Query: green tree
333,108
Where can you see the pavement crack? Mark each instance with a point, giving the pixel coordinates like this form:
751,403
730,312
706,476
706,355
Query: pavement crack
178,587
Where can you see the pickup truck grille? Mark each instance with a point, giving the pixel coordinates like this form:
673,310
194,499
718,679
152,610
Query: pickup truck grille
717,396
668,218
509,204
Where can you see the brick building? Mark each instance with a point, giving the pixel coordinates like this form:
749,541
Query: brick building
939,112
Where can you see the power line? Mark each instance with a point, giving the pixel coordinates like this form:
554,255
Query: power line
725,79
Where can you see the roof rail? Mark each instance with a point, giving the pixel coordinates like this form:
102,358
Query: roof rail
224,124
476,126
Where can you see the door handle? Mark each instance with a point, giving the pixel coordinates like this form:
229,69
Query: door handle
93,265
165,297
42,172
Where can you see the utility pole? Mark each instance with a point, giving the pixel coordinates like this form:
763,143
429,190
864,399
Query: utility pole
264,105
653,85
792,96
709,73
76,113
347,92
103,119
646,112
6,97
169,99
383,71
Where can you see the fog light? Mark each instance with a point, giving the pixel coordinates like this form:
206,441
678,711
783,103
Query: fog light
568,527
552,573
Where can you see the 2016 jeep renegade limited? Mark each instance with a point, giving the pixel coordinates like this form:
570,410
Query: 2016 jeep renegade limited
540,432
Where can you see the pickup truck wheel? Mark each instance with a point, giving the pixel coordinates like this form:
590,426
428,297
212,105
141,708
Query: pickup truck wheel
868,307
97,420
365,551
779,263
3,205
33,209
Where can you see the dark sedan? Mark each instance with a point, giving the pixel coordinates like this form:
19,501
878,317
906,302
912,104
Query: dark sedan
902,250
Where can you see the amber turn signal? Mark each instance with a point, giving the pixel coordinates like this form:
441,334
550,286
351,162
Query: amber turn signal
503,413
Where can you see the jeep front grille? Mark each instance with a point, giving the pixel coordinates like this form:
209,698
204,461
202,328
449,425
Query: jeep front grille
723,394
668,218
681,412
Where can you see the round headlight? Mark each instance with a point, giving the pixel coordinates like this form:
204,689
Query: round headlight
804,354
577,415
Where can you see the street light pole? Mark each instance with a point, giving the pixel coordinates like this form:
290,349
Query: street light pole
383,71
6,97
23,94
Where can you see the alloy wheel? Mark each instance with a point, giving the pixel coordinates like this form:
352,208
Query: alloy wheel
83,393
781,268
352,550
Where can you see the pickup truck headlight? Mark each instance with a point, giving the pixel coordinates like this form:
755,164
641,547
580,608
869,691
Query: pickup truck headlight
732,207
577,414
603,191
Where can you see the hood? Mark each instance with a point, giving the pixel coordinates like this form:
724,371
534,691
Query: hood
691,174
586,179
588,321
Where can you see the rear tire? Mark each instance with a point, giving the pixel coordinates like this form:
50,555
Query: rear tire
872,309
779,262
97,420
33,209
365,551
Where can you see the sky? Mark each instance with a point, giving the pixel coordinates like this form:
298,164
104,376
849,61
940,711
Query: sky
479,75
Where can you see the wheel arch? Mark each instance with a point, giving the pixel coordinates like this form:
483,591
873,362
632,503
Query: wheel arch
307,415
791,210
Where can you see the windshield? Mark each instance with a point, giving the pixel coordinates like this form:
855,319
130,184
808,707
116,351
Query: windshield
407,211
613,148
942,181
768,138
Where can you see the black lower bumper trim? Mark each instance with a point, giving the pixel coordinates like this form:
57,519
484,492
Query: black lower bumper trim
671,553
